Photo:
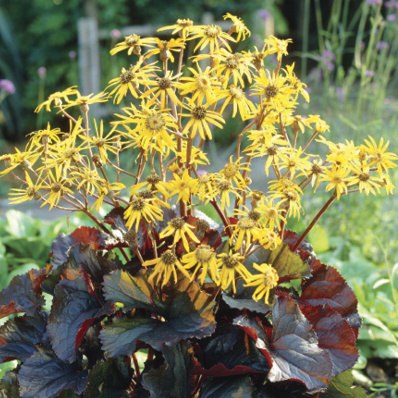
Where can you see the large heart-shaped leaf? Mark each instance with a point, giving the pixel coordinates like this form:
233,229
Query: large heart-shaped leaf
44,375
327,286
187,312
226,387
230,352
292,352
60,247
341,387
106,381
74,308
19,336
335,335
22,294
172,379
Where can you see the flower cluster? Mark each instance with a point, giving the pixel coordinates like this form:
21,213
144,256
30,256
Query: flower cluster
172,116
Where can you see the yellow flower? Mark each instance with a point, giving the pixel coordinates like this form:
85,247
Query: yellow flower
296,84
141,208
203,258
182,186
231,171
204,186
88,178
179,228
265,281
270,214
257,57
197,156
200,119
164,267
364,180
29,193
245,230
133,43
129,80
57,188
109,189
337,178
222,189
277,46
183,26
153,182
165,48
85,100
292,161
231,265
25,159
164,86
238,26
292,199
269,239
201,84
45,136
236,96
317,168
379,156
387,184
56,97
212,35
320,125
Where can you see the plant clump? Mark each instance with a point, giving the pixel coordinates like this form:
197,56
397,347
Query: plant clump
161,300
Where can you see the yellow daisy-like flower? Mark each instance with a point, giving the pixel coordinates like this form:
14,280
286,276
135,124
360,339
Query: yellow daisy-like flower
296,84
203,258
165,47
316,170
25,159
109,189
133,43
179,228
57,188
257,57
292,200
364,180
130,79
57,99
269,239
222,189
235,95
164,87
270,214
277,46
89,179
197,156
153,182
238,26
337,178
29,193
231,171
379,156
200,119
231,266
183,186
211,35
165,266
46,136
205,186
245,230
292,161
266,280
141,208
85,100
201,84
183,27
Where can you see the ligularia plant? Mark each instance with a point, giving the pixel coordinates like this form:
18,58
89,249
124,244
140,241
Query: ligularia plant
160,300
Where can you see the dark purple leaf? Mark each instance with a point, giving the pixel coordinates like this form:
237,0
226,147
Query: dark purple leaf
106,381
226,387
327,286
187,311
230,352
172,379
73,306
44,375
284,389
20,296
334,334
60,247
19,336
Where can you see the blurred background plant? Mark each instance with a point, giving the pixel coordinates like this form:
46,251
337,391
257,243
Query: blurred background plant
347,51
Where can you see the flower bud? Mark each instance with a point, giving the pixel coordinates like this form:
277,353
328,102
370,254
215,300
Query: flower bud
84,107
26,164
97,160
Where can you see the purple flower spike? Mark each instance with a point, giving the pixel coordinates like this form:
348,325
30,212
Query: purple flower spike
42,72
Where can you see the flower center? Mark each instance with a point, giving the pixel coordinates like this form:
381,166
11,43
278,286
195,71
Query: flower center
164,83
202,225
254,215
100,142
69,153
31,192
147,194
213,31
290,195
271,91
56,187
272,213
127,77
230,171
246,223
224,186
199,112
316,169
236,92
130,236
272,150
168,258
153,179
132,40
155,122
363,177
184,23
232,62
204,253
177,223
230,261
203,82
137,204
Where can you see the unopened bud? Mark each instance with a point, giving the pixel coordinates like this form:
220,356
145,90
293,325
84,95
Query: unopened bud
97,160
37,196
58,102
110,194
248,181
45,139
117,144
26,164
165,55
84,107
137,50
